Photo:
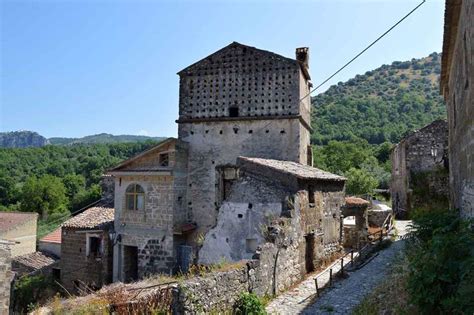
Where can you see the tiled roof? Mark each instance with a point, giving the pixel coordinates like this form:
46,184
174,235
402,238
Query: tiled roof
36,260
10,220
92,218
53,237
295,169
356,202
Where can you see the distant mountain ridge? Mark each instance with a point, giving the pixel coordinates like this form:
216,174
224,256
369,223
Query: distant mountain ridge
102,138
24,139
381,105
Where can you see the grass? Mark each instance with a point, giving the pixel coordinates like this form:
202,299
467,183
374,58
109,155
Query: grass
390,296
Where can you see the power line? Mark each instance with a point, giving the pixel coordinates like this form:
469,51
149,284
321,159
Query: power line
363,51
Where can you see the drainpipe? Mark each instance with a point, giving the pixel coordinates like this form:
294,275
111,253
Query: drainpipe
275,271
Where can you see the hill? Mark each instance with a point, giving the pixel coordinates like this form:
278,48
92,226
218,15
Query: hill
380,105
102,138
22,139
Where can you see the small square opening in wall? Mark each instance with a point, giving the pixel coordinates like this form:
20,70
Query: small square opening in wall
251,245
164,159
233,112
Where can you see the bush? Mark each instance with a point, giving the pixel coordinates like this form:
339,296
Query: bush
249,304
441,264
360,182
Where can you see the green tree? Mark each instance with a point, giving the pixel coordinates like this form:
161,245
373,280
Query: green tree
74,184
44,195
359,182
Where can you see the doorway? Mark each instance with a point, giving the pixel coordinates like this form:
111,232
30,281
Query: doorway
130,263
309,253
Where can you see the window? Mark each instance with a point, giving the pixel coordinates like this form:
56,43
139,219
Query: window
164,159
311,194
233,112
135,197
94,245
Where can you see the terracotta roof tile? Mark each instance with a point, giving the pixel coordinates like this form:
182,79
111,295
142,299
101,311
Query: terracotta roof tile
53,237
92,218
10,220
36,260
356,202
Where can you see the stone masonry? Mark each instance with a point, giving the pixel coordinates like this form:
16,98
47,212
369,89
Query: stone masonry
420,161
5,277
240,101
457,86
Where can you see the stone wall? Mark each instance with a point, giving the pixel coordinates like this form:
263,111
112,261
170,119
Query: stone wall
215,292
421,154
458,89
264,219
377,217
76,265
5,278
25,236
240,101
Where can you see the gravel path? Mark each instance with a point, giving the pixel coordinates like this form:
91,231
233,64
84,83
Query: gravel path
345,294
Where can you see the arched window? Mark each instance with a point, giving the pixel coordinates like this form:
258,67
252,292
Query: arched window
135,197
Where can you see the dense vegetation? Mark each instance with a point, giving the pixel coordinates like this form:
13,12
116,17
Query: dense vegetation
56,180
356,123
441,263
102,138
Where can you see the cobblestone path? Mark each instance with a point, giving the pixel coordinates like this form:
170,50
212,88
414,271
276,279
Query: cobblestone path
345,294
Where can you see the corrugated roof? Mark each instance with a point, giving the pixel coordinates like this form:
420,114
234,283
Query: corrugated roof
36,260
53,237
295,169
92,218
10,220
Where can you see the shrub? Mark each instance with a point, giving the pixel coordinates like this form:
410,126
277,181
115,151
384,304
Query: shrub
249,304
441,264
360,182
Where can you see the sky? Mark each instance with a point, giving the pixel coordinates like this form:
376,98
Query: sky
73,68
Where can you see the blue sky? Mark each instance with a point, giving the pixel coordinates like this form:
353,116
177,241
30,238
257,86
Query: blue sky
74,68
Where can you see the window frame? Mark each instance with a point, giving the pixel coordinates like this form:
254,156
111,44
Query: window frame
96,254
135,194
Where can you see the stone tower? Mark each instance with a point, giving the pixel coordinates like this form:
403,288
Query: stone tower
240,101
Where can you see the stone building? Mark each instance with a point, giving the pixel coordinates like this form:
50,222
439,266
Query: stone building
457,87
5,276
355,235
242,157
87,249
271,198
19,228
420,169
240,101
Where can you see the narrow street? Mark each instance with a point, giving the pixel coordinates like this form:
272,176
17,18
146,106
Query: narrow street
345,294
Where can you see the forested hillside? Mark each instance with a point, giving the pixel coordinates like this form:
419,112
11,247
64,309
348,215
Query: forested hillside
54,180
357,122
102,138
380,105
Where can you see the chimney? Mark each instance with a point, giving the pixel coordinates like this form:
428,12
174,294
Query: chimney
302,55
107,184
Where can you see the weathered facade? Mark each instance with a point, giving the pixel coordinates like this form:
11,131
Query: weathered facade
355,235
420,168
5,276
457,86
150,228
51,243
86,249
240,101
278,206
238,182
20,228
